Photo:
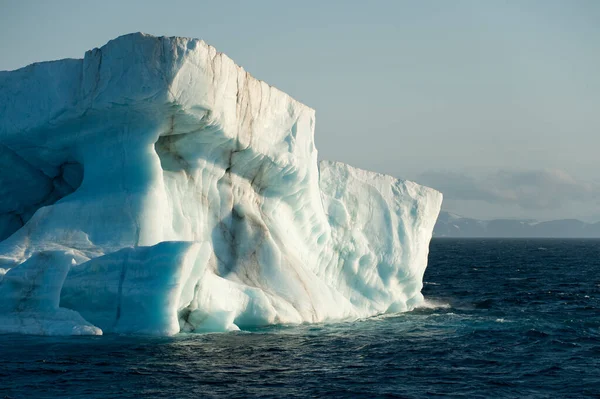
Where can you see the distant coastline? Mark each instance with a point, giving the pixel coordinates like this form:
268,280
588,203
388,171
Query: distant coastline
452,225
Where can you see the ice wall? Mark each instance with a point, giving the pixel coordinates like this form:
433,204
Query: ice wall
180,185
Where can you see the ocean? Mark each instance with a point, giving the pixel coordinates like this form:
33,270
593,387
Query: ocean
503,319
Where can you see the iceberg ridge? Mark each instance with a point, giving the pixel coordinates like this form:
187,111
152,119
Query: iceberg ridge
157,187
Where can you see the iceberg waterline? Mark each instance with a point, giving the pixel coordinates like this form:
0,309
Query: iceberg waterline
156,187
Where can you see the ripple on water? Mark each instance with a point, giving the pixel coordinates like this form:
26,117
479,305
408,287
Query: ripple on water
526,323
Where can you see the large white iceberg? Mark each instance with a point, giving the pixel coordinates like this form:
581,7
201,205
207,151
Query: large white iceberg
156,187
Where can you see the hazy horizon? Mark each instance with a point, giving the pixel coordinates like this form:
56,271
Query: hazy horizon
493,103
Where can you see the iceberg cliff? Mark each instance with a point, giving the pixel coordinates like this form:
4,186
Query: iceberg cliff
156,187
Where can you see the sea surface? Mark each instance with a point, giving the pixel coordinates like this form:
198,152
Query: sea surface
504,319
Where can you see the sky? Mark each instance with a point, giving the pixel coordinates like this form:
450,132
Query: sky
495,103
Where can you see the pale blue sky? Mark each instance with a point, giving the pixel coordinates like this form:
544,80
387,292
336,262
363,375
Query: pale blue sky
497,103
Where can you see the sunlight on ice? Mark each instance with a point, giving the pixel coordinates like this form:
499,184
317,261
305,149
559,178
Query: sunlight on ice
156,187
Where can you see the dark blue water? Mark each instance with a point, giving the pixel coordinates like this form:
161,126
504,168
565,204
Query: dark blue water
518,318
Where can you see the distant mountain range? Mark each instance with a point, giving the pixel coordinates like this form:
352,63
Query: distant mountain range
452,225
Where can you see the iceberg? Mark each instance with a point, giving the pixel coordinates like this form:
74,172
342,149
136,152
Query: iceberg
155,187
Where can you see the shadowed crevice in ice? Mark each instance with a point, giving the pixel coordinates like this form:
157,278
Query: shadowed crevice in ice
25,187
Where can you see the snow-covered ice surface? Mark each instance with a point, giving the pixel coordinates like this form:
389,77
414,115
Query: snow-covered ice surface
156,187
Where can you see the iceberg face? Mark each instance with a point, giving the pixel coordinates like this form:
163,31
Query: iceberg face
31,294
175,192
140,289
